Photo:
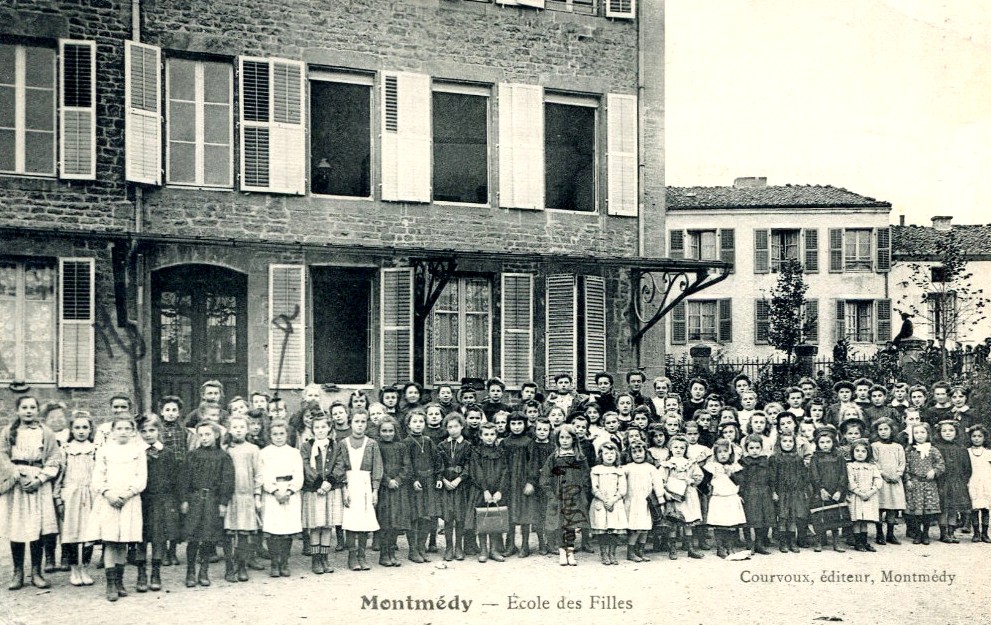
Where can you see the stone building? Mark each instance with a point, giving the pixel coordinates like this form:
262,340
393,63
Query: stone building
275,193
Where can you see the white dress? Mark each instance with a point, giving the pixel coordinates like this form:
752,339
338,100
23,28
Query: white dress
118,469
282,470
642,478
725,505
360,515
980,479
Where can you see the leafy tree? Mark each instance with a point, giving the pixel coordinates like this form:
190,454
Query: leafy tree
951,302
788,325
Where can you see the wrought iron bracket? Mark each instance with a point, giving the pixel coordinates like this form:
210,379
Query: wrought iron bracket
430,276
658,291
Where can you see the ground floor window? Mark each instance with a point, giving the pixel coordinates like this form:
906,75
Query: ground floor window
27,320
342,324
459,332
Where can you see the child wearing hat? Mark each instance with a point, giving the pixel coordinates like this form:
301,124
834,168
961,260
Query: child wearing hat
890,459
864,479
828,475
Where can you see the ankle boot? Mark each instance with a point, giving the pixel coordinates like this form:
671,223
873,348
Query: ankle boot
483,548
819,542
156,576
879,534
190,571
142,582
353,553
631,553
498,549
413,538
284,557
542,544
865,541
793,543
385,543
925,532
111,583
362,544
890,535
203,579
17,579
836,544
430,532
952,535
449,546
459,544
37,579
341,543
422,540
943,536
119,579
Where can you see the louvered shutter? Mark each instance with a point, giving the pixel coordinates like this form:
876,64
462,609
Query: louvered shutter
883,250
273,138
840,327
405,137
811,243
676,245
621,113
76,349
517,329
625,9
77,109
811,321
561,302
727,246
521,146
142,121
678,325
286,310
762,321
762,252
882,308
397,324
725,311
595,327
835,250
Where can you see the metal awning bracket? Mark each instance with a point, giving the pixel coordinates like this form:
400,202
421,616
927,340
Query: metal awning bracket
430,276
659,290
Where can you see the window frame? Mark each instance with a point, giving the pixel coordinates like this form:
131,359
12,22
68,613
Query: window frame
860,263
462,316
20,111
199,143
693,241
936,307
702,335
374,328
854,334
20,316
568,6
471,89
587,101
348,78
775,241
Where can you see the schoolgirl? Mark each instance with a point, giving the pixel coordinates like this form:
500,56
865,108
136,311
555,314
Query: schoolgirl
844,397
160,504
323,501
74,499
393,510
954,498
725,505
979,485
756,482
423,487
795,399
879,406
642,478
27,510
541,450
828,477
412,397
657,439
865,482
341,419
363,471
565,480
241,520
682,476
207,487
358,400
758,426
959,399
488,472
899,398
791,491
890,458
455,455
521,484
923,464
282,478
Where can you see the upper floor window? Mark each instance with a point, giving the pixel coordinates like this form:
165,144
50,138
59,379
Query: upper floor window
701,245
200,129
784,246
27,110
857,249
460,143
570,152
340,134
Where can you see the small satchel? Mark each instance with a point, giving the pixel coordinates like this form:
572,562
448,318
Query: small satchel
676,486
491,519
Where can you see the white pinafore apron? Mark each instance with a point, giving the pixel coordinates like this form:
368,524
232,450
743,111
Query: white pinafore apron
360,515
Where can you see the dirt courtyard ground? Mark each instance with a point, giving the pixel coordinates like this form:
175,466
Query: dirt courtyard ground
810,589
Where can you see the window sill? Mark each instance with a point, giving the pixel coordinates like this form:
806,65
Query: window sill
357,198
32,183
350,387
461,204
565,211
192,187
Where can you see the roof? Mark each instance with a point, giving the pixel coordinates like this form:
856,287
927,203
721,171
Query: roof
786,196
921,241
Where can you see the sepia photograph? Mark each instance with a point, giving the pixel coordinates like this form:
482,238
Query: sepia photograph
463,311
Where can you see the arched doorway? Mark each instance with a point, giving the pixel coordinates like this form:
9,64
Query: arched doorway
199,331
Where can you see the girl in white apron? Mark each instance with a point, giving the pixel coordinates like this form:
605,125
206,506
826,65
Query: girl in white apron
364,474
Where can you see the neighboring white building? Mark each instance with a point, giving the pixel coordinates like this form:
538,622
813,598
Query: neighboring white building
843,240
916,246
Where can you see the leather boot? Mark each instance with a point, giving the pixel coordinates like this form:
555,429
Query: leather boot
865,541
498,549
890,535
37,579
413,538
944,537
341,543
362,545
203,579
191,565
423,538
483,543
631,553
525,541
284,556
449,545
142,584
121,591
156,576
603,557
384,543
111,583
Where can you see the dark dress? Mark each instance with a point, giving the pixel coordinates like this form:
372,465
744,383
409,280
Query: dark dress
539,453
208,481
756,485
937,414
828,472
393,509
454,460
565,480
488,471
438,435
954,495
160,500
425,467
791,483
490,407
174,438
519,449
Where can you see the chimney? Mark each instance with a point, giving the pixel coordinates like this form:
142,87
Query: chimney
901,219
942,222
751,182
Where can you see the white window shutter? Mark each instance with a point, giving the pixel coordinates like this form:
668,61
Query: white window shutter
77,109
76,348
621,121
521,146
561,337
625,9
286,310
595,327
142,120
396,311
406,137
516,353
273,136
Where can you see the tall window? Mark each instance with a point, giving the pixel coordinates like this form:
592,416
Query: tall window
943,314
701,317
702,245
340,134
342,324
569,153
860,321
27,320
460,332
784,246
200,128
27,110
461,144
857,249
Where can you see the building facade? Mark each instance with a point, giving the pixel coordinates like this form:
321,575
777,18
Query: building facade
842,240
275,193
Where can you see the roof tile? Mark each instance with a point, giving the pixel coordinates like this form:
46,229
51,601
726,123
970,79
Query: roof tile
805,196
909,241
